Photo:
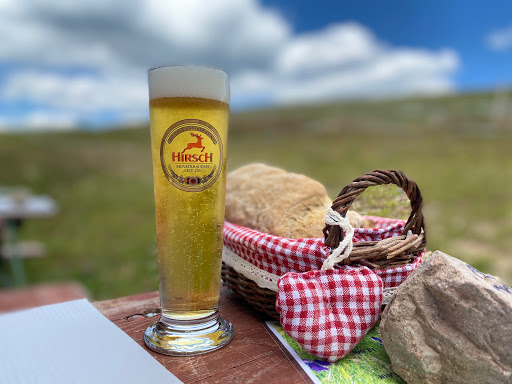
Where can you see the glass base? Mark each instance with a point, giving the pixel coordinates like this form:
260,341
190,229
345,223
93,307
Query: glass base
188,337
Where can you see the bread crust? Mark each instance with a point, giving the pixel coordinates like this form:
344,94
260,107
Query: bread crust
277,202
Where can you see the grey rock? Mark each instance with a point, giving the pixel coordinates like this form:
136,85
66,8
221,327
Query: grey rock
450,323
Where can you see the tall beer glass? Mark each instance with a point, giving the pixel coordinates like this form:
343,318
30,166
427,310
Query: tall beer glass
189,108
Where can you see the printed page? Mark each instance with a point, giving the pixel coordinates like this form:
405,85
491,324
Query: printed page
367,363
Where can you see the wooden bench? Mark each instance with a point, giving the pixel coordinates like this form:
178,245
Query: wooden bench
23,250
14,209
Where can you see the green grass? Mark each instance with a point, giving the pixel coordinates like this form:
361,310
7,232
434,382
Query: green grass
367,363
104,234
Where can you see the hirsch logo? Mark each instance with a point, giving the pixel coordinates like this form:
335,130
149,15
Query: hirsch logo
191,155
197,144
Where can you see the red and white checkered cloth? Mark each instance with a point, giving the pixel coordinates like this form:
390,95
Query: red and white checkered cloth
327,312
279,255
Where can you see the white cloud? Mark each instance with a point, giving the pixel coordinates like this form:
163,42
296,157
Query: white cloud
230,32
346,61
40,120
80,93
334,47
138,34
43,119
500,39
79,61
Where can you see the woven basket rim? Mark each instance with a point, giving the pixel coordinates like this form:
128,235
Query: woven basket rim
359,230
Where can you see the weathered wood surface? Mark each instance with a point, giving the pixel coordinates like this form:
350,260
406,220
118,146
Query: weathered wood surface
251,357
37,295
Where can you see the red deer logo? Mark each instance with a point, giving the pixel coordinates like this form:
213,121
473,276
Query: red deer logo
197,144
191,155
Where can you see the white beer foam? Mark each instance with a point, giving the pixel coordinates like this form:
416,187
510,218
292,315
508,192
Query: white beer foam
188,81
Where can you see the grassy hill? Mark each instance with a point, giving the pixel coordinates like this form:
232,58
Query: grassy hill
456,148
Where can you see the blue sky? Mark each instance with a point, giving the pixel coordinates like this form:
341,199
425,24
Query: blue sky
68,64
462,25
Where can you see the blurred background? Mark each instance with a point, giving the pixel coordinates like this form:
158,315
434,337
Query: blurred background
331,90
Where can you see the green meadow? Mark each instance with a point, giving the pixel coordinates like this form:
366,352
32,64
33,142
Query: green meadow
457,148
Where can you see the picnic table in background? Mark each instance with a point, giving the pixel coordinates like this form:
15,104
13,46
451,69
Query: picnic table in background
17,205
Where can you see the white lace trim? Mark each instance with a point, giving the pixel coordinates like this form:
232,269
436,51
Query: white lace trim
268,280
263,278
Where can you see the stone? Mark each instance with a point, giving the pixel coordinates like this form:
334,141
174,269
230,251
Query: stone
449,323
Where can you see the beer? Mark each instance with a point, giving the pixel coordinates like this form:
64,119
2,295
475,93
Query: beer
189,235
189,108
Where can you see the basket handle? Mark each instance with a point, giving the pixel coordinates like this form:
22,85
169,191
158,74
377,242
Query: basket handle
334,235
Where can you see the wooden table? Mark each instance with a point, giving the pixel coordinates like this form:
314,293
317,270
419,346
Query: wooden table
15,299
14,210
252,356
28,207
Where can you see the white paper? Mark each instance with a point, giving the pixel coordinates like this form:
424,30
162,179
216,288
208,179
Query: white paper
72,343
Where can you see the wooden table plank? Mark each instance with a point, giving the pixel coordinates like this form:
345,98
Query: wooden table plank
251,357
38,295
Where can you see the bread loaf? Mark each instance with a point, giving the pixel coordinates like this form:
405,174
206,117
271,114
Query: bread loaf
277,202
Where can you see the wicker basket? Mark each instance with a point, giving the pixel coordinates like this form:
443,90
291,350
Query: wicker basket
388,253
